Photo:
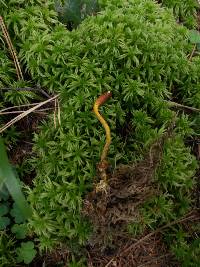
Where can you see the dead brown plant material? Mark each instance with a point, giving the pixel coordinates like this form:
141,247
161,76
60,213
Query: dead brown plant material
193,216
155,260
192,53
129,187
177,105
110,211
19,112
151,254
26,113
11,49
148,251
19,106
52,258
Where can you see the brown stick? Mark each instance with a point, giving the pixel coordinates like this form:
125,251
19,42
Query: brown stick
174,104
11,48
193,50
20,106
25,113
21,111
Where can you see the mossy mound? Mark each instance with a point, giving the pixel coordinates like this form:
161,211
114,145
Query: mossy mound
138,52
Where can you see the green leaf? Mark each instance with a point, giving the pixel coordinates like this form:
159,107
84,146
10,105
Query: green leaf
3,163
8,177
20,230
16,214
3,209
4,222
26,252
198,46
4,193
194,37
2,2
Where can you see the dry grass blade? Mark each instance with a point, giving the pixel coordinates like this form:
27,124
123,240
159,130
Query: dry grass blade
55,111
155,259
11,48
19,112
25,113
192,53
59,119
20,106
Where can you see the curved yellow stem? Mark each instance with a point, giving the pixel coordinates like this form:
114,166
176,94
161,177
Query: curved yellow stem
100,101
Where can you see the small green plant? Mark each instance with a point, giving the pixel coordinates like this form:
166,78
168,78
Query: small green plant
13,226
136,228
75,263
14,95
9,179
12,252
185,245
26,252
3,3
4,220
11,137
187,252
72,12
184,10
13,215
7,250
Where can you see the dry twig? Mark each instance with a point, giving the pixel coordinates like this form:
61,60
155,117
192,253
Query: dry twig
11,48
20,106
54,113
21,111
59,118
192,53
174,104
25,113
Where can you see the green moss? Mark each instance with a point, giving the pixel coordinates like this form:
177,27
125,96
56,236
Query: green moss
7,250
184,10
186,246
139,53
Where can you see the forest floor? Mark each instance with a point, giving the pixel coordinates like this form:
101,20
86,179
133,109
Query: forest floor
110,210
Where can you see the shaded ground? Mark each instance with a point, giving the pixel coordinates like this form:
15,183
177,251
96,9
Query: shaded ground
151,253
149,250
